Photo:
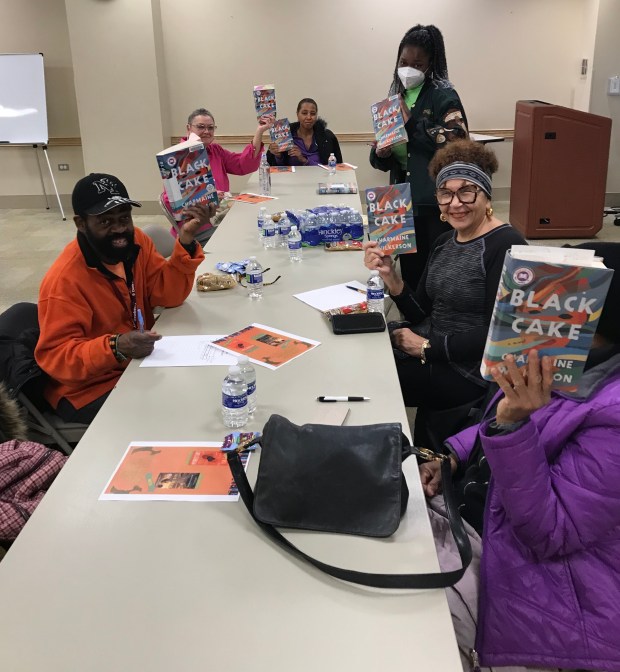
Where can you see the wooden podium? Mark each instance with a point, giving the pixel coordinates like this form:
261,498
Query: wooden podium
559,171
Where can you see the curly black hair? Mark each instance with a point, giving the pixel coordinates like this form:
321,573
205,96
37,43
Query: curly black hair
466,151
430,39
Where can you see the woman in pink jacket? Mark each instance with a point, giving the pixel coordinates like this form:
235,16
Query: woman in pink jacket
223,161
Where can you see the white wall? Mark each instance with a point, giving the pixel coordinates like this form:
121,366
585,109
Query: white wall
343,54
607,64
211,52
28,26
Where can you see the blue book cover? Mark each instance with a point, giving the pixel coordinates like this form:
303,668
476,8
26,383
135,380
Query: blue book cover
265,101
550,307
281,135
337,188
388,122
186,173
390,218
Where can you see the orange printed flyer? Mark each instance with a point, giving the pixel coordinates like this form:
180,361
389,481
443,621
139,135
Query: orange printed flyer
265,345
340,166
173,471
282,169
252,198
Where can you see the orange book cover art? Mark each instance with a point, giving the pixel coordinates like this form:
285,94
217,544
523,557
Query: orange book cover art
281,169
175,471
265,345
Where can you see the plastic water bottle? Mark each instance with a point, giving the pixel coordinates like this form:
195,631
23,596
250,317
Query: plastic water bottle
285,229
311,235
356,225
374,293
294,244
254,279
331,164
322,222
345,220
269,233
234,399
260,221
249,376
264,176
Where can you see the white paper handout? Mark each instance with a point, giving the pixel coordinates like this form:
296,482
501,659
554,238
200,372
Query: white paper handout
188,351
334,296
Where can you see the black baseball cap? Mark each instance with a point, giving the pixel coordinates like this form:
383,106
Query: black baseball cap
99,192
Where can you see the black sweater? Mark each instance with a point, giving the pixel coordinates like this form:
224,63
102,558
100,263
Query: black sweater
326,141
436,118
454,301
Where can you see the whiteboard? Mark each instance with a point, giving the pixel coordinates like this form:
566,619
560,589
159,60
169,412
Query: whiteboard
23,111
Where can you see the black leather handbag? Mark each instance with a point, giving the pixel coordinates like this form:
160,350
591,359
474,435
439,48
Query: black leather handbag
345,480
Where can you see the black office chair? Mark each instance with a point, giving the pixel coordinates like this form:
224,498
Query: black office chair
161,237
25,381
433,426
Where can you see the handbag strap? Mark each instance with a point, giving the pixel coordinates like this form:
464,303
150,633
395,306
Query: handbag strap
432,580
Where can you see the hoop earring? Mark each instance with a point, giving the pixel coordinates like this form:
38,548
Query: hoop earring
489,212
443,217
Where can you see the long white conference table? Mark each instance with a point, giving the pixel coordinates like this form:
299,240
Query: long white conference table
94,586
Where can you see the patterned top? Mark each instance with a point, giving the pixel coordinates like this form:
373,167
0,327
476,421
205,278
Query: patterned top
453,304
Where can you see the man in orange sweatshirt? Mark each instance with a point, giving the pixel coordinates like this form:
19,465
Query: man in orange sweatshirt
96,301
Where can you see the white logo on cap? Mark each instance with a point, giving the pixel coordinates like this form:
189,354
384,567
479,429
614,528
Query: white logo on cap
118,200
105,184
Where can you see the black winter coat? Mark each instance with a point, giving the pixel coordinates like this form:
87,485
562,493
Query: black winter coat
327,143
436,118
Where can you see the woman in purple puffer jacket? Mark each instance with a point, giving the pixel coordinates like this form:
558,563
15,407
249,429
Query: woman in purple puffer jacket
539,485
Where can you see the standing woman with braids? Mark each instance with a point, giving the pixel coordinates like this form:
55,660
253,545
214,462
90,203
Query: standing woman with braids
434,115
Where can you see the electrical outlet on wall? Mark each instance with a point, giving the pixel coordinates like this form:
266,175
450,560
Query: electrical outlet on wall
63,166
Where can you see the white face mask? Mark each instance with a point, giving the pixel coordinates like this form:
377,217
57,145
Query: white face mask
410,77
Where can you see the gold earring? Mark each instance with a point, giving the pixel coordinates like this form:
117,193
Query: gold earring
443,217
489,212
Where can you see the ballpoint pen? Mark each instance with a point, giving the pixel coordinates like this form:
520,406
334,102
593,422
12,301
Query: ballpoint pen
140,321
326,399
356,289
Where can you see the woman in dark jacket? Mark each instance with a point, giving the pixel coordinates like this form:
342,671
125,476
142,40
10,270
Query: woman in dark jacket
314,142
434,115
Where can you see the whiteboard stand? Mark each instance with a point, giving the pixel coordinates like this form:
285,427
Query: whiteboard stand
49,167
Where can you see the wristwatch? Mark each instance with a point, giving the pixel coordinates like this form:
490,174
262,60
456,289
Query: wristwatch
425,344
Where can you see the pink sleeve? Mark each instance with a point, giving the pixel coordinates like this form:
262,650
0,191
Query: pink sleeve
241,163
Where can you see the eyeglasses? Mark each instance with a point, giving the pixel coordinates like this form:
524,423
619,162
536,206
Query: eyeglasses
202,127
240,277
466,195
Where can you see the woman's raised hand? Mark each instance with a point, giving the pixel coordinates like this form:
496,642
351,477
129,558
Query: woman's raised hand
296,152
274,149
376,260
265,123
525,389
